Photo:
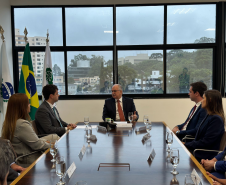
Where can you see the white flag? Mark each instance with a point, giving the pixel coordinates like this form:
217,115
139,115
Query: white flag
6,85
47,68
47,77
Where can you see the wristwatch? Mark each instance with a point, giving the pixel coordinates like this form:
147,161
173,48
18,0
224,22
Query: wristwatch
177,132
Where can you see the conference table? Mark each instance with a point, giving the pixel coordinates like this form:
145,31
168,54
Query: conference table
117,157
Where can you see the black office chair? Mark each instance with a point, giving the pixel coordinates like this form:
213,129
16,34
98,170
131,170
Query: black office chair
213,153
36,130
16,158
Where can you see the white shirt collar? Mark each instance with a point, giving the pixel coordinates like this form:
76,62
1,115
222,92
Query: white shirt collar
199,103
119,100
50,104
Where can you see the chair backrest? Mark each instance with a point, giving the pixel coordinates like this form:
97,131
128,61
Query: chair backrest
34,126
11,147
223,142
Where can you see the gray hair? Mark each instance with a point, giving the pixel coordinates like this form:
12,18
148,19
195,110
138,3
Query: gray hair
6,158
119,87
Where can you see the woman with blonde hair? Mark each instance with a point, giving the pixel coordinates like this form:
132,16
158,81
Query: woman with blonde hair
19,131
211,129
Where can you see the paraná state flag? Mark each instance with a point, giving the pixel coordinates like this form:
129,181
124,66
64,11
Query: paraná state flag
27,83
6,83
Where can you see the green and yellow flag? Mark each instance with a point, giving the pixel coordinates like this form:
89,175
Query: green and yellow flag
27,83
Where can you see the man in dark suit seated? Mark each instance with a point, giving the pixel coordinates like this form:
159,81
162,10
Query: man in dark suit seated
217,166
47,118
197,113
14,171
9,170
118,107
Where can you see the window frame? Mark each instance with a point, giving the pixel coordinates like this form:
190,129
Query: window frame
217,73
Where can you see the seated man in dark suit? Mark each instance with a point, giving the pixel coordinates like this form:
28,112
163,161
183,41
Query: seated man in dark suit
14,171
217,166
118,107
47,118
8,169
197,113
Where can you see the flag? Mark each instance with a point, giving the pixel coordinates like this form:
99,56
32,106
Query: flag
27,83
6,87
47,68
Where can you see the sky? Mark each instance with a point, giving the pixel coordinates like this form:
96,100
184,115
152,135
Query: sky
135,25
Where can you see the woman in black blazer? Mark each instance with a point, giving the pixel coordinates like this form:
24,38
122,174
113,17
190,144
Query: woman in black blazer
211,129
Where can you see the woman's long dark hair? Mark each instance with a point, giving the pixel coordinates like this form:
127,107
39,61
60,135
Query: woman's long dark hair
214,104
17,109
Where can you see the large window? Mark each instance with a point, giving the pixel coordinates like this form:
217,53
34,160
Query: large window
151,50
58,69
139,25
141,71
90,72
38,21
89,26
188,66
191,24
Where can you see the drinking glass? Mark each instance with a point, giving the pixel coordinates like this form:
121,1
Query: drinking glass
88,132
60,169
148,127
53,149
169,140
86,122
146,119
89,149
190,179
174,159
174,181
130,117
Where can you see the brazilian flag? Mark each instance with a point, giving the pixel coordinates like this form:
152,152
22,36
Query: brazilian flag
27,83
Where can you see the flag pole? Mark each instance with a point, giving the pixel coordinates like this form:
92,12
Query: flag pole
2,32
1,101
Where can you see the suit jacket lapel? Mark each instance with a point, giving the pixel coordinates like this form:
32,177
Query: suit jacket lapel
124,106
203,121
194,113
49,108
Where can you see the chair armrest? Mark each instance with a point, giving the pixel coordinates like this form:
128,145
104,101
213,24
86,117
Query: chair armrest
215,152
188,137
26,155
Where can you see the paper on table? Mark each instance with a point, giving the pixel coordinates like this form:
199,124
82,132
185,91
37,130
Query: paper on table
83,126
198,179
120,122
80,126
71,170
124,125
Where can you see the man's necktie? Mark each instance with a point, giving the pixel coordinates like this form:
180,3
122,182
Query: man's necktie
189,117
54,110
121,115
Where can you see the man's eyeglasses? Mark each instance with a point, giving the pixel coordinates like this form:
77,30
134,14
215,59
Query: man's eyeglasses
115,90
